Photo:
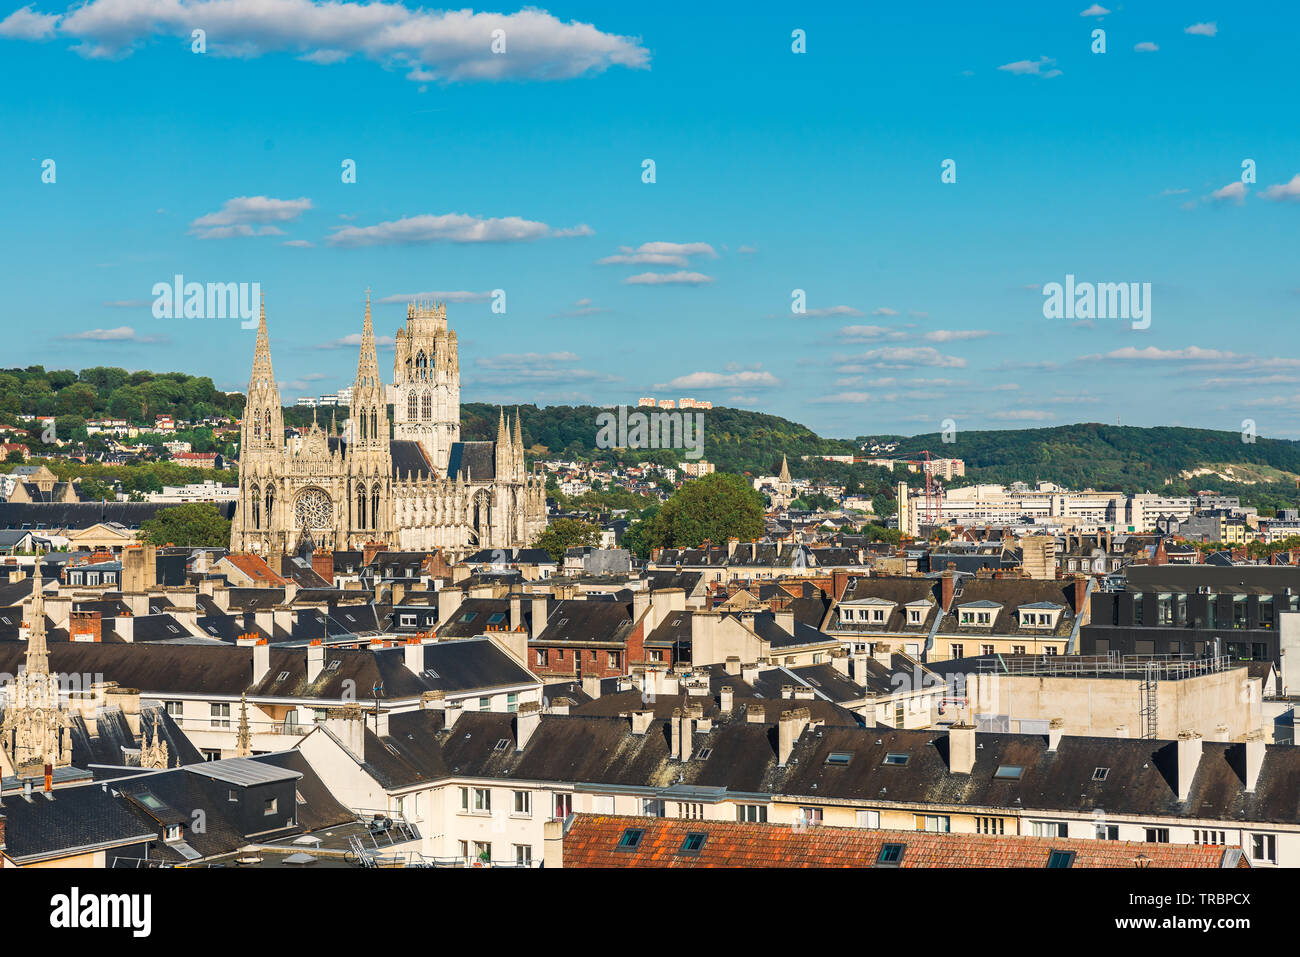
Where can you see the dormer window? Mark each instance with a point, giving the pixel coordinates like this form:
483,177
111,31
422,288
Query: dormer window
172,833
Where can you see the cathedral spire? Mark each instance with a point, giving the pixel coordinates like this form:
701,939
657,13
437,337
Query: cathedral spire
501,426
262,374
519,434
785,469
38,654
244,737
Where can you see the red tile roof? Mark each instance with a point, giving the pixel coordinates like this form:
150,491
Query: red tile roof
255,568
592,841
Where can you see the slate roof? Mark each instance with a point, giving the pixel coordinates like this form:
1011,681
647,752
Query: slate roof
593,841
53,515
72,818
474,461
409,459
576,621
1011,594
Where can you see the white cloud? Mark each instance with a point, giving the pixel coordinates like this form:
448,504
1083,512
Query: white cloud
447,228
884,311
866,333
1096,10
658,254
956,335
1146,46
459,295
1043,66
1022,415
1153,354
445,45
749,379
247,216
1284,192
353,341
843,397
828,311
1232,193
299,243
904,356
24,24
1203,29
532,368
120,334
681,277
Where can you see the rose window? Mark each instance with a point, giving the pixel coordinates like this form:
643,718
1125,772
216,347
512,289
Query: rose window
313,510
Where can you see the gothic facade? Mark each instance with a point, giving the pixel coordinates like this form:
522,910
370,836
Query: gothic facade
37,730
412,484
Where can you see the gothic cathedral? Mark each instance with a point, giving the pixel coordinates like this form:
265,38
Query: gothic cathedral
414,486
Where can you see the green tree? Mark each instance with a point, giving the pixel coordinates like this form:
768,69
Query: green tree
195,524
878,533
716,507
565,533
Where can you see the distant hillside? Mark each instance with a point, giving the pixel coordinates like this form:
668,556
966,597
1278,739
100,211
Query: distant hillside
735,440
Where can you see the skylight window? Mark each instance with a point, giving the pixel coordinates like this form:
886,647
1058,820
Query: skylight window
496,619
891,855
502,744
1060,859
894,757
1100,774
1010,772
631,839
693,843
469,616
839,758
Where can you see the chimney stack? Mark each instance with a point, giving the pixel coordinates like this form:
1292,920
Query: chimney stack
348,725
261,660
526,722
641,721
315,660
414,652
49,778
1189,756
883,652
591,686
1054,732
785,620
961,748
1254,759
726,699
450,712
790,726
539,615
516,611
322,563
947,583
1080,593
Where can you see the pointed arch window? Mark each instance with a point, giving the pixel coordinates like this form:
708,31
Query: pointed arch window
426,406
269,437
361,506
270,503
374,505
421,365
412,406
257,506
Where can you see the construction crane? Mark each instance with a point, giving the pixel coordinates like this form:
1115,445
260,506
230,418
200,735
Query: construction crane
933,495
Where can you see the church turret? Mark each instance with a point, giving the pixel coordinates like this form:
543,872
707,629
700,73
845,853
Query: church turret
263,422
369,409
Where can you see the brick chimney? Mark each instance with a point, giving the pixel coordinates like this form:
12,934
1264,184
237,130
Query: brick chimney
370,550
946,587
839,582
1080,593
261,660
322,563
85,626
49,778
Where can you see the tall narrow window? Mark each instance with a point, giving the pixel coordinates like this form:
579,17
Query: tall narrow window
374,505
412,410
257,507
270,501
426,406
361,506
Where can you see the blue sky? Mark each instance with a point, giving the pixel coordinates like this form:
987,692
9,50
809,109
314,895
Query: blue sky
775,171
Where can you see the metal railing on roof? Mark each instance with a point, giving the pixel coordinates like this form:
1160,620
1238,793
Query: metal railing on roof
1113,664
